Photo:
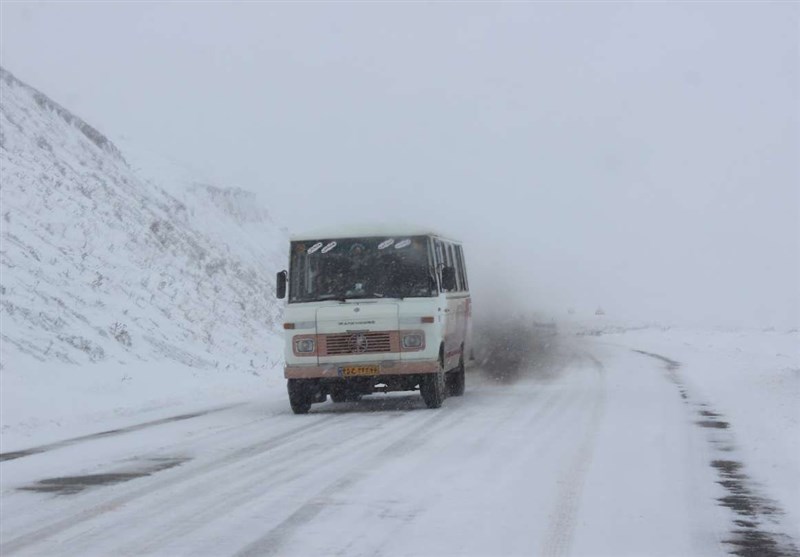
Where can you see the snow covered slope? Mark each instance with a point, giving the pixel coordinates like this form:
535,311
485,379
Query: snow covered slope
103,268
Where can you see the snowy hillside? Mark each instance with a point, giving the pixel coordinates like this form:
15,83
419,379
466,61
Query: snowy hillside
103,268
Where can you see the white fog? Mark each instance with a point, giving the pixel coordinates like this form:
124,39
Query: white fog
639,157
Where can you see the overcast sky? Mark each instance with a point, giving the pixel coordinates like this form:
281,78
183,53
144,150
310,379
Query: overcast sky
643,157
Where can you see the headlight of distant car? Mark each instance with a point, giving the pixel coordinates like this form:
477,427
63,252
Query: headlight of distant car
413,340
304,345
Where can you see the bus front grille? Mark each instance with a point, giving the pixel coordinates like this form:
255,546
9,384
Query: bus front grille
369,342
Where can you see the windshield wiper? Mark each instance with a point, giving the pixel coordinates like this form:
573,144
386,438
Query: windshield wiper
373,296
330,297
345,298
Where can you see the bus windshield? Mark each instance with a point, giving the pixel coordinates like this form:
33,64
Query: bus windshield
352,268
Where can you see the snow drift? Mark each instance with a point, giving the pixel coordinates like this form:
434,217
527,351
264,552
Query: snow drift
102,267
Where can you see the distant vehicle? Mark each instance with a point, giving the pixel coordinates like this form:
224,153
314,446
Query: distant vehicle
375,313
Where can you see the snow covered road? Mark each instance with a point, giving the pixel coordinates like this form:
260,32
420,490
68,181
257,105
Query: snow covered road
595,450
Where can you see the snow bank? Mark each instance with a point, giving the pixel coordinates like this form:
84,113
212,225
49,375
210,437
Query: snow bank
119,293
753,379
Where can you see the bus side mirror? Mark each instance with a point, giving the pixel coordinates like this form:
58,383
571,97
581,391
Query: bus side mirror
449,278
280,285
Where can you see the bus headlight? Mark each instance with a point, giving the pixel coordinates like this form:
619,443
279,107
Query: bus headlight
413,340
304,345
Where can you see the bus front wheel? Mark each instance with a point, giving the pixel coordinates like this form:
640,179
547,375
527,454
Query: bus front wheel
432,388
299,396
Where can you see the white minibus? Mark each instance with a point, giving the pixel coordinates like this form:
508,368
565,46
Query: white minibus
375,313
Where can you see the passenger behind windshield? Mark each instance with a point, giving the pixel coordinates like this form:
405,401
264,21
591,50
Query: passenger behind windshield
360,268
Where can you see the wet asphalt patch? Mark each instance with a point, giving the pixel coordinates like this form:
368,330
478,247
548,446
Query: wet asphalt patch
108,433
713,424
71,485
671,364
711,420
755,543
749,535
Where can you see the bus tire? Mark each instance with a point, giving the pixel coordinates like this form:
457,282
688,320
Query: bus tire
456,380
299,396
432,388
338,395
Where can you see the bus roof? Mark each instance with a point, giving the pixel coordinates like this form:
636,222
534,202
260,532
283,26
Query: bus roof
367,232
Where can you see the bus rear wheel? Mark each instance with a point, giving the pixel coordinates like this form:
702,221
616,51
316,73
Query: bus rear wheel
456,380
338,396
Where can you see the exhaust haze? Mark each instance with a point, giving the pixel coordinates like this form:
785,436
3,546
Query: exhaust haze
638,157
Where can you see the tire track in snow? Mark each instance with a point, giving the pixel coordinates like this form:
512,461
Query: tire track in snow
543,400
188,514
158,519
540,414
13,455
49,531
247,488
561,528
187,520
272,542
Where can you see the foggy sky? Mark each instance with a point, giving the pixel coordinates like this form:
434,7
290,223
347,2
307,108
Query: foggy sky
640,157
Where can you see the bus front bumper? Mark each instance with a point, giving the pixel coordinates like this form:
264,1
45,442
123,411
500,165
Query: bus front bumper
337,370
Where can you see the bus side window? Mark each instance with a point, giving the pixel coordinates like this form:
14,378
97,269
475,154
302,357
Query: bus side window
462,269
457,266
439,262
432,264
462,282
452,262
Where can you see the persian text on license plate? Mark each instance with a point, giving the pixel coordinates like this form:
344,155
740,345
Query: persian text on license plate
356,371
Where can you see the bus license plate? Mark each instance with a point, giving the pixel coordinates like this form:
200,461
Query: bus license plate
358,371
